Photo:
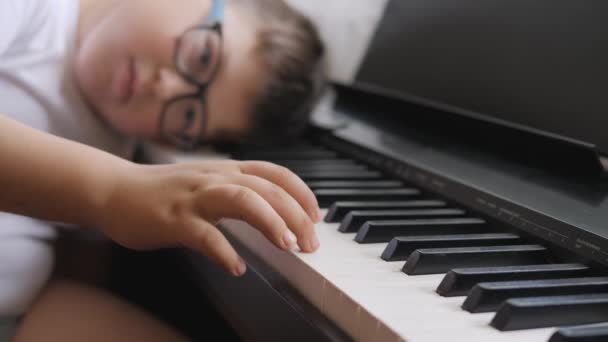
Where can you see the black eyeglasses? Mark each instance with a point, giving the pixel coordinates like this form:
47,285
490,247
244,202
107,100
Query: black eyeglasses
183,118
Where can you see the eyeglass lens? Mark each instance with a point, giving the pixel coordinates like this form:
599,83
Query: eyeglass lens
183,119
198,54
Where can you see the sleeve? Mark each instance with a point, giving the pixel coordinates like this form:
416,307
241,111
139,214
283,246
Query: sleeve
11,22
26,262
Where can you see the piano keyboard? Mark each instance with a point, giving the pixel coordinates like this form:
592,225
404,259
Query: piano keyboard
399,264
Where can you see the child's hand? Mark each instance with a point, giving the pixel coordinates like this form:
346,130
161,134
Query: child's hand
180,204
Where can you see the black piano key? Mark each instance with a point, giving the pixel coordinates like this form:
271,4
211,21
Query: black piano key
585,333
355,219
441,260
384,231
486,297
300,147
339,175
328,167
295,163
326,197
338,210
293,147
551,311
400,247
459,281
380,184
287,155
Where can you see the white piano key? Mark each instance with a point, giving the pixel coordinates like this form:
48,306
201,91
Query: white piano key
371,299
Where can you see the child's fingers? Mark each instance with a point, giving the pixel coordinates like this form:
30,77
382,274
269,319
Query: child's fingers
222,166
286,206
209,241
276,174
287,180
242,203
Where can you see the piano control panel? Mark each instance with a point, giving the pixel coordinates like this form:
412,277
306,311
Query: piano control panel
557,232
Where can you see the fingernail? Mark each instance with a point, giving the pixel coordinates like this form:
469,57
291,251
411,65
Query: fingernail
319,215
289,240
240,268
315,215
314,243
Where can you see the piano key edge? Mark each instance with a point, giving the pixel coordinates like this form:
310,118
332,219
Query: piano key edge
305,289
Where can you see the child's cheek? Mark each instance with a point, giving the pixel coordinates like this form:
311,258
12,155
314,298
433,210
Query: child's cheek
138,120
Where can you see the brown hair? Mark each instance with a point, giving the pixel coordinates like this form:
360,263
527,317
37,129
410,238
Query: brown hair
291,52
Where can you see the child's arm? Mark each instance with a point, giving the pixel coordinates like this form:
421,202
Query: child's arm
45,176
152,206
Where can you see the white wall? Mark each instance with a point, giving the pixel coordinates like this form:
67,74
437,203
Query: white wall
347,27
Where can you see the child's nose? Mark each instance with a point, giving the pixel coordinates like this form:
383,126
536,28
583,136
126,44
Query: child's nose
171,84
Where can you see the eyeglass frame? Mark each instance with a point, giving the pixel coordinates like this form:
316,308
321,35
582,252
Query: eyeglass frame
212,22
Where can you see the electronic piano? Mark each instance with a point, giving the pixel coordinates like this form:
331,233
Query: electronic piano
462,184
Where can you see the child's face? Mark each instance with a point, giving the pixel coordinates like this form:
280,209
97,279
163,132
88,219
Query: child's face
125,67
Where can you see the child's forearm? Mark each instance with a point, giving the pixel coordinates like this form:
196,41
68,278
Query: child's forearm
153,206
52,178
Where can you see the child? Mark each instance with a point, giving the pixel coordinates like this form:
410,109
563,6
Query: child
86,186
102,72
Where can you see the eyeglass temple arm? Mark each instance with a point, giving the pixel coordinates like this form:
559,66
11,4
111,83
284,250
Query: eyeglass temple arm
217,11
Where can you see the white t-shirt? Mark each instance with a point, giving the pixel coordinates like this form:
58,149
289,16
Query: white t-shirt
36,87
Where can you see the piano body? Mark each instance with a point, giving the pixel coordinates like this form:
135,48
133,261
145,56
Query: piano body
461,177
